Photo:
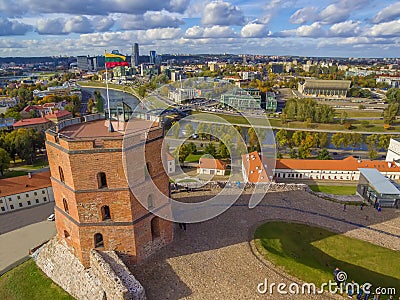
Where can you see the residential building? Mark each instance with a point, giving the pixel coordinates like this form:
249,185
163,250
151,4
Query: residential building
32,111
38,124
9,102
6,123
25,191
171,164
211,166
391,80
180,95
253,170
393,153
325,88
377,189
334,170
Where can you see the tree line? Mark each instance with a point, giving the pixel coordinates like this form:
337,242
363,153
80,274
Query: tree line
23,143
307,110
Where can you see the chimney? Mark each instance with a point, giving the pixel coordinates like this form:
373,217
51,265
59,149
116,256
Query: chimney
29,175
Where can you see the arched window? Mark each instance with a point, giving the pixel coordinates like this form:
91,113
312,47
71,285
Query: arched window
66,234
65,205
105,213
155,228
150,201
101,180
98,240
61,173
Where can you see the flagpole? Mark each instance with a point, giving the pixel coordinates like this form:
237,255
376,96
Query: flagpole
110,127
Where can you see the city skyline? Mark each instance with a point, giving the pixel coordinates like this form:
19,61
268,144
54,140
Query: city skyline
340,28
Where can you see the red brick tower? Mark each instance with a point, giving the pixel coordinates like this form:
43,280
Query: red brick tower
94,205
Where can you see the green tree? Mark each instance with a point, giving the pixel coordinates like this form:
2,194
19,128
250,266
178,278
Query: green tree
390,113
293,153
373,154
189,131
298,138
27,141
324,155
4,161
223,151
99,102
356,140
192,148
12,113
282,137
337,140
343,117
210,149
176,128
182,153
90,105
322,139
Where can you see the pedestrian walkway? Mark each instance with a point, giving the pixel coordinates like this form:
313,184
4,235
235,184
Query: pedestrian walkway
215,259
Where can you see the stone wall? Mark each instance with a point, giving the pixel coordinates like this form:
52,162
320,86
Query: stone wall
107,278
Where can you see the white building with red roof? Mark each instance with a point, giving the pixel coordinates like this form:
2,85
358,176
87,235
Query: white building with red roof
25,191
39,124
211,166
171,164
58,116
340,170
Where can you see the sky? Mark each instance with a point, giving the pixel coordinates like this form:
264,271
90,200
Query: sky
339,28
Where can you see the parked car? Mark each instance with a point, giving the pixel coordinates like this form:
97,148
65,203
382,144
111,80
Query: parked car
52,217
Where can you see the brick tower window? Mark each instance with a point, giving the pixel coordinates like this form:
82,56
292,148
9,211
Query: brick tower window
155,228
98,240
61,172
105,213
67,235
65,203
102,180
147,171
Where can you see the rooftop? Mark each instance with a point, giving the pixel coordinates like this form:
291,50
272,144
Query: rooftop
58,114
22,184
211,163
32,121
319,83
348,164
254,168
379,183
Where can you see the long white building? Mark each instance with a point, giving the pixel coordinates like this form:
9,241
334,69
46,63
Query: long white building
25,191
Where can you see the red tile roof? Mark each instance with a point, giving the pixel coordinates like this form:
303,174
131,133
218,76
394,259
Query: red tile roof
347,164
211,163
169,157
22,184
58,114
32,107
254,168
32,121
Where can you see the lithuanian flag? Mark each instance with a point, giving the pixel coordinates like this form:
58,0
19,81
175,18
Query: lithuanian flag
115,60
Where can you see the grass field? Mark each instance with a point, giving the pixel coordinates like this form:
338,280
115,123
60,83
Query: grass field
311,254
334,189
194,157
356,113
27,281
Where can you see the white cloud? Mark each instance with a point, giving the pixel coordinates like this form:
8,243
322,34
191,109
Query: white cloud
197,32
150,20
387,29
347,28
13,27
50,26
313,30
389,13
253,30
78,24
222,13
304,15
272,7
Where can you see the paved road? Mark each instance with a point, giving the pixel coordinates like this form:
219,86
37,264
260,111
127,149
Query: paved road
15,245
25,217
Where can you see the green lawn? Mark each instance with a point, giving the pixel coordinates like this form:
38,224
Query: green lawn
356,113
311,254
27,281
335,189
193,157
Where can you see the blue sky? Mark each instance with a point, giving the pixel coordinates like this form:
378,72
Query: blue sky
347,28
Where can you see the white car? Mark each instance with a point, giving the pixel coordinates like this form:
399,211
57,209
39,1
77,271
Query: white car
52,217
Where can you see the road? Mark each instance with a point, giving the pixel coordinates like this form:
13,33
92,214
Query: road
15,245
25,217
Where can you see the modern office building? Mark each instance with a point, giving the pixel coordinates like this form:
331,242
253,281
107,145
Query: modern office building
152,58
271,104
135,55
242,99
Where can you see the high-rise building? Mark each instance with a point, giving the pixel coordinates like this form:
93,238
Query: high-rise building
153,56
135,55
